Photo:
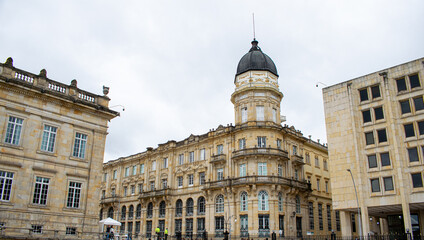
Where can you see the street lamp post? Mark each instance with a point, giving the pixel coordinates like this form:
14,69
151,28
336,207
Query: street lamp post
357,202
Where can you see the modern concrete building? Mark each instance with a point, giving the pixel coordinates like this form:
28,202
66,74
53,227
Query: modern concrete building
251,178
375,128
52,139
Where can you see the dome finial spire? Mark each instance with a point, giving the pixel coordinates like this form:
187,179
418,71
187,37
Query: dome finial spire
254,34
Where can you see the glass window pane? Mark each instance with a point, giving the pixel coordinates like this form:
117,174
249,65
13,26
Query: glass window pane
372,161
418,103
417,181
375,91
401,85
382,137
409,130
414,81
375,185
413,154
366,116
369,138
405,107
421,127
385,159
378,113
388,183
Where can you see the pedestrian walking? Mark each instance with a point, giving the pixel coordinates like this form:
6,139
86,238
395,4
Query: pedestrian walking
166,233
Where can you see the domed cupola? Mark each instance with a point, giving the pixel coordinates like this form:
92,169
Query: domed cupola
255,59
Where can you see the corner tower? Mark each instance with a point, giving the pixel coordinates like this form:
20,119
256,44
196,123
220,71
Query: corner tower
256,97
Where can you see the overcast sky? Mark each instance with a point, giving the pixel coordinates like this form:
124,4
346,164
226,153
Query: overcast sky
172,63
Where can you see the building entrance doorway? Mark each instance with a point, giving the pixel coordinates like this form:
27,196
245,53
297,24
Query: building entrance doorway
397,226
299,226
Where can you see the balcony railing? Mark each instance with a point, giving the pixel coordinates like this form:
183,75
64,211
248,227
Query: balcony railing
154,193
218,158
109,199
260,151
297,160
258,180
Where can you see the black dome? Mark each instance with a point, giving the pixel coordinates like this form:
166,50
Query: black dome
255,59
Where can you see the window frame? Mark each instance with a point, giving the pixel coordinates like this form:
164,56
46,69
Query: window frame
48,139
13,131
80,145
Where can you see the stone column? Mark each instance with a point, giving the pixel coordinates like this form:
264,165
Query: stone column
346,223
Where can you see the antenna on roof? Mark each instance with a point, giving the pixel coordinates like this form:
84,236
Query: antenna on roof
254,35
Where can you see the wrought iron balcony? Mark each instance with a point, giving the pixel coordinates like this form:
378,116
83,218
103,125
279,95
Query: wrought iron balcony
220,158
249,180
260,151
154,193
109,199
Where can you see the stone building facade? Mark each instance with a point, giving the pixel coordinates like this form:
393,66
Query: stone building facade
251,178
375,128
52,139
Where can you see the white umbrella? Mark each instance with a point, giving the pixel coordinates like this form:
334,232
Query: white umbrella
110,221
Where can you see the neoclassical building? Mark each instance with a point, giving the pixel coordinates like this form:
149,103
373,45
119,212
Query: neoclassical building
251,178
375,128
52,139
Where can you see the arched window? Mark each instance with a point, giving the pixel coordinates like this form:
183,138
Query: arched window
280,202
162,209
201,206
138,211
189,207
263,201
243,201
297,204
101,214
110,212
150,210
219,204
131,212
123,212
179,208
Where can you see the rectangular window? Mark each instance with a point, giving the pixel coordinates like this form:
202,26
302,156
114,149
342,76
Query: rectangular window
165,163
388,183
74,195
219,224
242,143
127,171
125,191
372,161
421,127
401,84
262,169
244,224
321,223
49,136
413,154
378,113
164,183
79,145
353,223
71,231
329,218
190,179
202,178
202,154
262,142
326,186
375,91
375,185
418,103
318,184
294,151
338,227
363,94
115,174
180,181
134,170
219,149
405,107
414,81
274,115
263,222
311,215
141,168
178,225
242,170
244,115
220,174
6,180
13,132
149,227
154,166
37,229
260,116
191,157
140,188
280,170
279,143
417,180
324,163
152,185
409,130
189,225
385,159
41,190
366,116
316,161
181,159
382,137
137,227
200,225
296,174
